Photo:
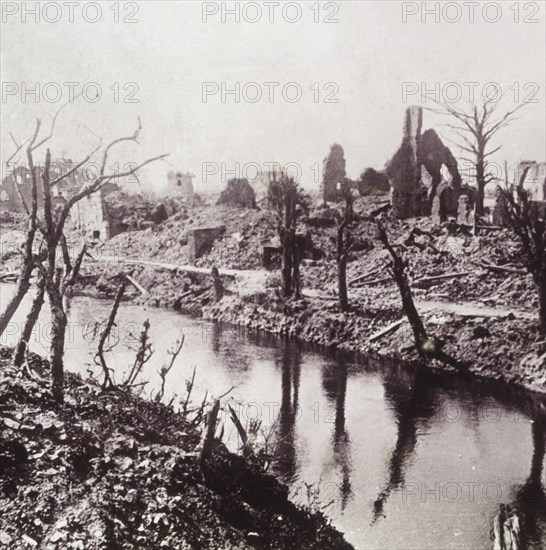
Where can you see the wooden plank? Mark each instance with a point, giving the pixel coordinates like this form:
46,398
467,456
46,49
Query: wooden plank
439,278
137,285
386,330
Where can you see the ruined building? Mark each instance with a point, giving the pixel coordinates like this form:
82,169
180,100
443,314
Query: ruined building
334,174
238,192
88,216
180,184
419,184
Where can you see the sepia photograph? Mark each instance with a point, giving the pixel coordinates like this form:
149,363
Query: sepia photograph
273,275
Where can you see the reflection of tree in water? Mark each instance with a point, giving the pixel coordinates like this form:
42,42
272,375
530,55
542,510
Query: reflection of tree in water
531,497
412,401
228,343
334,382
284,464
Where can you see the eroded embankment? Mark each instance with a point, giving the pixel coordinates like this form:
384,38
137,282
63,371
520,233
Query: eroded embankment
111,470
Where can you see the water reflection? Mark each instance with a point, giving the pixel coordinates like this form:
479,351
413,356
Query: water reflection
531,497
413,404
334,383
289,363
384,429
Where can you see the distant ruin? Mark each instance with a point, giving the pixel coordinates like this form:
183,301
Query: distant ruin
418,186
180,184
373,182
238,192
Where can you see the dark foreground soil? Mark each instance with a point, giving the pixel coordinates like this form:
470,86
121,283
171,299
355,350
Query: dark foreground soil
110,470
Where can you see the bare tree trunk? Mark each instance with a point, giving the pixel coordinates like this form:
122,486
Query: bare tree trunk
480,181
296,277
542,303
218,286
208,440
106,334
58,318
399,275
23,286
287,261
32,317
342,283
344,245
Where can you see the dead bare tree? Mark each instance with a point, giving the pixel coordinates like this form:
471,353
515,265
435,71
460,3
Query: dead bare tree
28,260
427,347
106,334
52,229
174,353
32,317
529,225
397,270
344,246
287,199
475,129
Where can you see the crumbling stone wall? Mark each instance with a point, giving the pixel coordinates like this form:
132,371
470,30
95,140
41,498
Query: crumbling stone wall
372,182
180,184
200,240
238,192
415,173
434,154
333,173
408,195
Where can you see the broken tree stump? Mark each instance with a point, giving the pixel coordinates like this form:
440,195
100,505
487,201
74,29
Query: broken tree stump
506,529
210,431
218,286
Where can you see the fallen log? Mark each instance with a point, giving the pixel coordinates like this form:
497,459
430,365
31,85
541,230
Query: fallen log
362,277
9,276
137,285
384,331
376,281
424,281
500,268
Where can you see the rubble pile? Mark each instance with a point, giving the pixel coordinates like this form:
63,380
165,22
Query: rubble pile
111,470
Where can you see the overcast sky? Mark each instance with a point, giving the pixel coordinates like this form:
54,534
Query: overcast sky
170,51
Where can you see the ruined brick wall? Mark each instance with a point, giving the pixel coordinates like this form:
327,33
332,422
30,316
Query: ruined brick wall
200,240
408,195
88,216
418,187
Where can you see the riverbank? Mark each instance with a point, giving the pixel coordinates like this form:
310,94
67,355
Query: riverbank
472,291
108,469
486,318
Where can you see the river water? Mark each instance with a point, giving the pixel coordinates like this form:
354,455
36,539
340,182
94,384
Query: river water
399,458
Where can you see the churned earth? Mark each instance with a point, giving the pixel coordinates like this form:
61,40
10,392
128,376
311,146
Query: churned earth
107,469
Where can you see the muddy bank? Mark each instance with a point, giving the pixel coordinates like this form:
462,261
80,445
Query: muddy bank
507,349
486,316
110,470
